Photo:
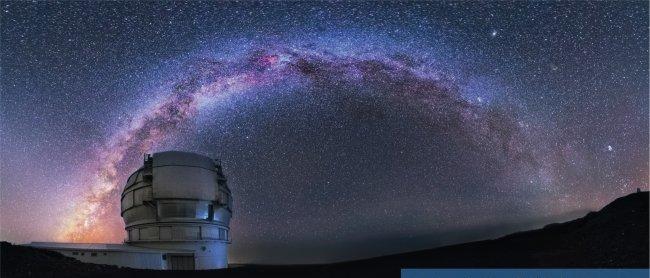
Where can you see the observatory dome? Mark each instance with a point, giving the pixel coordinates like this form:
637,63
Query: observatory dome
179,200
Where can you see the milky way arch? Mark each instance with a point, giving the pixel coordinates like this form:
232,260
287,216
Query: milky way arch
413,81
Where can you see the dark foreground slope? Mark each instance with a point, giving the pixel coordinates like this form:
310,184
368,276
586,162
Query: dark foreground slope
616,236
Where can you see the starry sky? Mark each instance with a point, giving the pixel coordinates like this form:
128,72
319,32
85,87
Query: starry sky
346,130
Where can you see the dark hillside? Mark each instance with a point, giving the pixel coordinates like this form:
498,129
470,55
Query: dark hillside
616,236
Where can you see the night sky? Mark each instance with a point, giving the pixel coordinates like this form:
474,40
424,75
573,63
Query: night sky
346,129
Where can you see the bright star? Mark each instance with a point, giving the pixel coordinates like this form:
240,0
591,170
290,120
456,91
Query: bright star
494,33
609,148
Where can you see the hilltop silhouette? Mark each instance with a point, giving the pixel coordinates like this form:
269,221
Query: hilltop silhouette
614,237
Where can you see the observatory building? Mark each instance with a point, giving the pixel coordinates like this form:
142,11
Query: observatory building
176,211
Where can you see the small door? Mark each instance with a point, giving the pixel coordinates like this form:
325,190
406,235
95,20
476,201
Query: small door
181,261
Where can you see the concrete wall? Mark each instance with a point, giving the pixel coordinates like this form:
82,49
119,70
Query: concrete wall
207,254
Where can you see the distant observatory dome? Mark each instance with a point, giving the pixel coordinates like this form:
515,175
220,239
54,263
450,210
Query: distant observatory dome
180,201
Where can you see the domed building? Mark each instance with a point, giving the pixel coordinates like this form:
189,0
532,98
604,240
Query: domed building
176,210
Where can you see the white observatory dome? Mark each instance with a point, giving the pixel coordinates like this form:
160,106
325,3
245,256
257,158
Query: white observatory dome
180,201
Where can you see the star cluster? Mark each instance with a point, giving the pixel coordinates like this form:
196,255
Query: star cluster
340,125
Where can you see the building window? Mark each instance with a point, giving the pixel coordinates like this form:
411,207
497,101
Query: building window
93,254
203,211
186,233
209,233
75,253
177,210
210,213
104,254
